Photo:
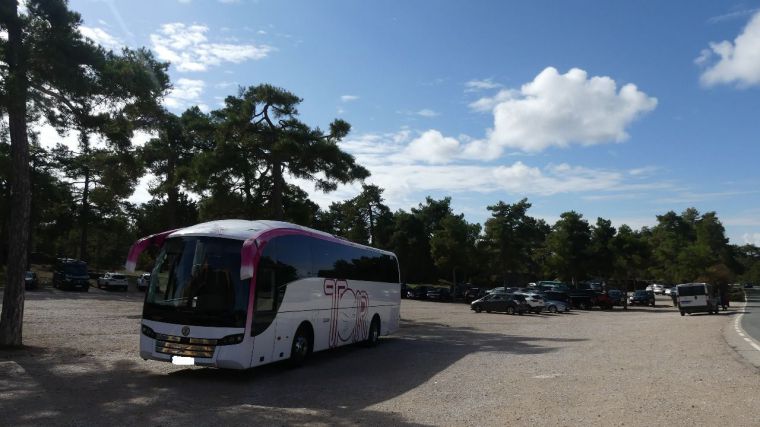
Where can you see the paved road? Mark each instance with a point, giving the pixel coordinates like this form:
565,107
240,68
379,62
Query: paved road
751,318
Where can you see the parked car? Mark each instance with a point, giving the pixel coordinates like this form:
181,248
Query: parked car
696,297
617,296
439,294
534,300
71,274
642,297
584,299
748,286
604,301
31,281
554,306
144,281
658,289
668,291
557,296
474,293
507,303
420,292
113,280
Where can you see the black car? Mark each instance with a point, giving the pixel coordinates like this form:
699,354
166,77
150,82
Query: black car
420,292
497,301
31,281
642,297
71,274
617,296
439,294
474,293
583,299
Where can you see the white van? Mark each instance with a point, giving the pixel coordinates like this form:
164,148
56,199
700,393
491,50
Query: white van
697,297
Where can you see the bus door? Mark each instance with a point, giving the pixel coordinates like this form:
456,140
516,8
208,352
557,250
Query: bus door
264,309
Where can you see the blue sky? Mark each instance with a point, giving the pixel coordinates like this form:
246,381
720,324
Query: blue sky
623,110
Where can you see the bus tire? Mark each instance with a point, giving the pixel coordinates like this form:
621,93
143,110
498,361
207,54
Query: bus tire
302,345
373,335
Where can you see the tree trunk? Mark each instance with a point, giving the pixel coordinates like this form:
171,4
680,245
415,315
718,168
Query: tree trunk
278,187
12,316
371,226
84,216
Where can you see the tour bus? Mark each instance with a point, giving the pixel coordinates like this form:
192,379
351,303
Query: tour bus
697,297
238,294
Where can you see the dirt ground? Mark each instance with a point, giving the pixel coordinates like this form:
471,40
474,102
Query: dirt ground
445,366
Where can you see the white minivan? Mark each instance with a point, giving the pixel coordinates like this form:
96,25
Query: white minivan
697,297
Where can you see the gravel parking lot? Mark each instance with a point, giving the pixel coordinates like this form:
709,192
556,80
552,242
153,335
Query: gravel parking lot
445,366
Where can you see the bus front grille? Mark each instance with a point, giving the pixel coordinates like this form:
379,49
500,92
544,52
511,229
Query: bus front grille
182,346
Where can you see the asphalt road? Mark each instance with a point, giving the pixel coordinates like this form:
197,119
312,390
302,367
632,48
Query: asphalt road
751,318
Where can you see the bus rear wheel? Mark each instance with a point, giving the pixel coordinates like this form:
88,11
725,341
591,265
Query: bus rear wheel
301,347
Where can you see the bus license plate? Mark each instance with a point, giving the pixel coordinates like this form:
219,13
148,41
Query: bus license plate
181,360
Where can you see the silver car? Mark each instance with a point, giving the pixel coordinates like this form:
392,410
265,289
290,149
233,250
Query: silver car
554,306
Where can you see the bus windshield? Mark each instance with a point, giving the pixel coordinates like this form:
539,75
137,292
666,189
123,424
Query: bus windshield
196,281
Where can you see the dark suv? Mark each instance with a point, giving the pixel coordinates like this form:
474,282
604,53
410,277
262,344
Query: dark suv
71,274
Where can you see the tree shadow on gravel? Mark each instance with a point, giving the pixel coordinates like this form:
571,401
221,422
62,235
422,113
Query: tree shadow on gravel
68,385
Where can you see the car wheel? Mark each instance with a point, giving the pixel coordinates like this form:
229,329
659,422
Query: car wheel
552,309
299,351
478,309
682,313
510,310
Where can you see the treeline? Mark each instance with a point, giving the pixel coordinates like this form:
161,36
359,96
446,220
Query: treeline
240,161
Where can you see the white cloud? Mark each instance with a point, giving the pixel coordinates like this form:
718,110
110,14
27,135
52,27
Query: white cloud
426,112
186,92
101,37
187,47
751,238
229,1
432,147
738,62
561,109
477,85
410,166
348,98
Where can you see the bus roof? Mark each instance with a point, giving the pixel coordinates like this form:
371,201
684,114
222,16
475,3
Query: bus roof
240,229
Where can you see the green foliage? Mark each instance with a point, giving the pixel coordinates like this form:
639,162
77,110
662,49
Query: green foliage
568,246
452,246
513,241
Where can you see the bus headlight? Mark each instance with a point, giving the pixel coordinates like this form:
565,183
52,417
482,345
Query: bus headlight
148,332
231,339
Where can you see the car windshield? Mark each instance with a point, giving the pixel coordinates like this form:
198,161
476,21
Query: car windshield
640,293
196,280
29,275
75,269
117,276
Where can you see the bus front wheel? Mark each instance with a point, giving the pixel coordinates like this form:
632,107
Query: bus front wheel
373,335
301,347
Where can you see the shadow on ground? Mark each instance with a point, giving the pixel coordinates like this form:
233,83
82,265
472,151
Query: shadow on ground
69,385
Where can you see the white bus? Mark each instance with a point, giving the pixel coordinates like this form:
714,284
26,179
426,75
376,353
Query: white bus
238,294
